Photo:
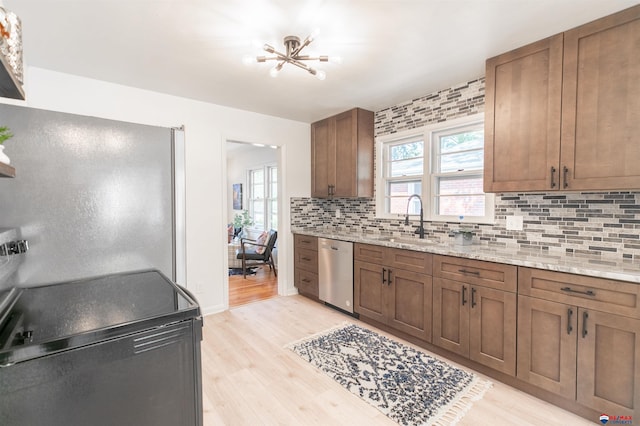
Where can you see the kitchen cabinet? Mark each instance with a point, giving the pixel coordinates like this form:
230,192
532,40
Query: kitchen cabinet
561,113
342,155
578,337
474,310
7,171
305,268
394,287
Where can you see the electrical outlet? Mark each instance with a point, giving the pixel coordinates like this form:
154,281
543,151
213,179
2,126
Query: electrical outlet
337,213
514,223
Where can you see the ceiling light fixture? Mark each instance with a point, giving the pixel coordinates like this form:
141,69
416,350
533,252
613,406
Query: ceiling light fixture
292,56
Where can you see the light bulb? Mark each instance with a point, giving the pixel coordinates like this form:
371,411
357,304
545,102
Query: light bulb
274,71
269,48
249,60
321,75
335,59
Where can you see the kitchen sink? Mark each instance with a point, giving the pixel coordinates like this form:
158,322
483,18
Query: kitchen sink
407,240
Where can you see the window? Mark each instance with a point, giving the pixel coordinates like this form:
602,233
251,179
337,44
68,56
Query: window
263,197
443,164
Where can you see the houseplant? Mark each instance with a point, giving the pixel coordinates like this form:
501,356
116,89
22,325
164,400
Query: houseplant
242,220
5,134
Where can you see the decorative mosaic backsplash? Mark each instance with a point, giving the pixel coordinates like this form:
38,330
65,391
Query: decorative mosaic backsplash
596,223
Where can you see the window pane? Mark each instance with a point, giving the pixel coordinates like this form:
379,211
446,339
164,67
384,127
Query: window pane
461,205
470,160
257,176
412,167
257,208
460,185
462,141
258,191
399,192
406,150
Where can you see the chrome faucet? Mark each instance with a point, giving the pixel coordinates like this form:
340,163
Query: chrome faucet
420,229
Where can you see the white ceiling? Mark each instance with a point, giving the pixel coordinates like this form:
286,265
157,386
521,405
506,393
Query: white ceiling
392,50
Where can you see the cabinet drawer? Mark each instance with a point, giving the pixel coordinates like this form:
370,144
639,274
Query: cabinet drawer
305,241
307,260
306,282
589,292
369,253
409,260
476,272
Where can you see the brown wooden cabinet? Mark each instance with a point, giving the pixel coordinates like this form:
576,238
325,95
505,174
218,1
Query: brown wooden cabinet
342,155
578,337
394,287
562,113
474,314
305,269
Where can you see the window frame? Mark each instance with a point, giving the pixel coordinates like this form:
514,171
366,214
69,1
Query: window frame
430,176
267,196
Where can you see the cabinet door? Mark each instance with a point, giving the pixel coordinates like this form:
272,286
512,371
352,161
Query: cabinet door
451,316
343,170
410,302
609,362
492,329
600,103
547,345
522,118
369,298
321,155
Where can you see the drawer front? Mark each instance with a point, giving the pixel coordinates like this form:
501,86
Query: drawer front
600,294
306,259
477,272
306,282
369,253
409,260
305,241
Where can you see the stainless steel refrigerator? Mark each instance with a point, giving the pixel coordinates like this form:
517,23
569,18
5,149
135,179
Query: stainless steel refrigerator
91,196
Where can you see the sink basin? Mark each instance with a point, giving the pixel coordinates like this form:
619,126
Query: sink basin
407,240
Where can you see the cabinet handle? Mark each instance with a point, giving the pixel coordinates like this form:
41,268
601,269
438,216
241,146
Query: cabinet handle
389,276
569,315
306,259
553,177
585,315
565,171
305,241
464,271
586,293
473,297
464,295
305,280
384,271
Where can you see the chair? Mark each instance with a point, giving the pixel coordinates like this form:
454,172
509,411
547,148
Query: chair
254,254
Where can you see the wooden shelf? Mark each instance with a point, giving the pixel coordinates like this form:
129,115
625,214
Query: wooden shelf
7,171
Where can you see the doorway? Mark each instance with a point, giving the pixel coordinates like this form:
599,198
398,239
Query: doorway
253,187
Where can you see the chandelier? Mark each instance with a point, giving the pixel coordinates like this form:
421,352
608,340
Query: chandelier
293,56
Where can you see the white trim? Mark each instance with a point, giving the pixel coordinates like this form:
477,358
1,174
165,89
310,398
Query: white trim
426,133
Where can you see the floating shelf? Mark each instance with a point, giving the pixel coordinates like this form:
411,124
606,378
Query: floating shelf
7,171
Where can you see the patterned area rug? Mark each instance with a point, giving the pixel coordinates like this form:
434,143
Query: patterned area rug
405,384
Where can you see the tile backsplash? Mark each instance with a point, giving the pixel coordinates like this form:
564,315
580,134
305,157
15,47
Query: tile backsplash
595,223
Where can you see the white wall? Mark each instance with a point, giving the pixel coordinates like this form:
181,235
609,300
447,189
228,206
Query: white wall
207,127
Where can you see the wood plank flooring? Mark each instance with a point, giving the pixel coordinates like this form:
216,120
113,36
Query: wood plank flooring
249,378
261,286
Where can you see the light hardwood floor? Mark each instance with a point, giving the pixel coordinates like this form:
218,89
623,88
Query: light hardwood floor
250,378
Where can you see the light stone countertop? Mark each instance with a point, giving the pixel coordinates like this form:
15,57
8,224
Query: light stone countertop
595,266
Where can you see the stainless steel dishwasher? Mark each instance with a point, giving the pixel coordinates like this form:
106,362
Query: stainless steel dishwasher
335,273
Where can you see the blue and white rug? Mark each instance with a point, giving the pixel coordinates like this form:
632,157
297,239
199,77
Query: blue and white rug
405,384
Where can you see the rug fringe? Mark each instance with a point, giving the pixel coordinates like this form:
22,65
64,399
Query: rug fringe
453,412
318,334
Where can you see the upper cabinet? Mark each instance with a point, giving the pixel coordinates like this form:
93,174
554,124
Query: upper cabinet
563,113
342,155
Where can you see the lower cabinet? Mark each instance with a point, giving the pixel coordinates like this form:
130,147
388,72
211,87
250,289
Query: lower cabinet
305,272
571,346
391,295
472,319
